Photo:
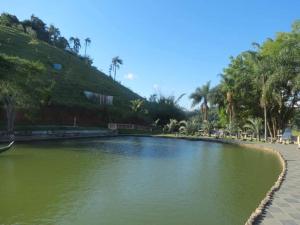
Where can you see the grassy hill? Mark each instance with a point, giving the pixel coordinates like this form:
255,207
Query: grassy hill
72,80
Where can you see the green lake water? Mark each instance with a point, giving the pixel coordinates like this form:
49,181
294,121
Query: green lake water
133,181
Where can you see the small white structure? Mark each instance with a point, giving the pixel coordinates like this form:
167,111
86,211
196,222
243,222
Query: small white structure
99,98
116,126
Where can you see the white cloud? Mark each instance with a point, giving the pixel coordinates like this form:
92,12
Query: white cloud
129,76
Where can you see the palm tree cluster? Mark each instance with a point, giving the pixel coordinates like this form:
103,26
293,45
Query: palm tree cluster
116,62
189,127
259,86
76,44
201,95
165,108
254,125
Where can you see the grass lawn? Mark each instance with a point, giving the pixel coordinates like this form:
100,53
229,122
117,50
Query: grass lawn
296,132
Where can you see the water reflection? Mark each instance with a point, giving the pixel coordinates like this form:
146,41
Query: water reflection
134,181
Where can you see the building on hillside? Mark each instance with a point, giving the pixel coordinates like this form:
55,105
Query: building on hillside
99,98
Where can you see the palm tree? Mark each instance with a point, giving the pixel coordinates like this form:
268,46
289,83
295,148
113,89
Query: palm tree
264,103
76,44
137,105
201,94
228,85
54,33
115,64
171,126
72,40
9,95
189,127
230,106
179,98
87,43
255,125
263,68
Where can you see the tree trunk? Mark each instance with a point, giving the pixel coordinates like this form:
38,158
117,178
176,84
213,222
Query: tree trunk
230,122
265,122
10,115
115,70
274,127
205,112
270,131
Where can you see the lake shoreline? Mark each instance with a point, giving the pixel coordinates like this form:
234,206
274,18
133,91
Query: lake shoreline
48,135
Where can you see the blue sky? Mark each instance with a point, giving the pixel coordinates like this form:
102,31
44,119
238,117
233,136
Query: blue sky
168,46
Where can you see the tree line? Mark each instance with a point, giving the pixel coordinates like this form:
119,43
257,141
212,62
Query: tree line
24,86
37,28
261,85
259,91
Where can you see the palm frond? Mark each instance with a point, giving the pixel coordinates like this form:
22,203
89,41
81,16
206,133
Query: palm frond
179,98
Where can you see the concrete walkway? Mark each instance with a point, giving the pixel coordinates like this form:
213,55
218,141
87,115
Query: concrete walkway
285,206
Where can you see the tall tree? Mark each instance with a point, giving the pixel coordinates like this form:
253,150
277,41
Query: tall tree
281,90
54,34
116,63
87,42
265,82
40,27
76,44
240,90
22,87
62,43
228,88
10,97
264,68
201,95
254,125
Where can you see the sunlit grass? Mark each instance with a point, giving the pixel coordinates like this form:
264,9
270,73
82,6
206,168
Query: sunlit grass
75,77
296,132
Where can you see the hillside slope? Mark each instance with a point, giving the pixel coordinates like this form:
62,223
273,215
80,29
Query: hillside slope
72,80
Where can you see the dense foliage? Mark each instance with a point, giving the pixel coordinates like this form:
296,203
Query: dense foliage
66,98
21,87
165,108
262,84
